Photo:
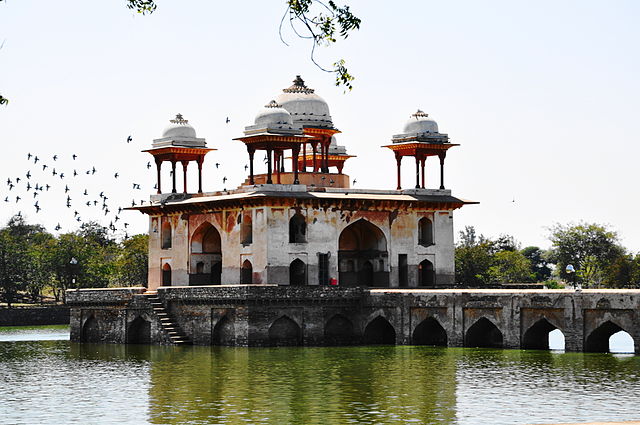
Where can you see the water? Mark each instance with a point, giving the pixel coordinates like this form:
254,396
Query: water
57,382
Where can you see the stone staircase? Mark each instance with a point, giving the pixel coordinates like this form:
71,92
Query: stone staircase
170,327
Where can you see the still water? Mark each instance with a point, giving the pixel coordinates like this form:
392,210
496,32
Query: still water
47,379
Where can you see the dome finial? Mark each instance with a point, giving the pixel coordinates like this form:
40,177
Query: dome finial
272,104
419,113
298,87
179,120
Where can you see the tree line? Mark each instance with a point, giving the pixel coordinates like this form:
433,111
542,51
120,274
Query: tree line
33,262
594,251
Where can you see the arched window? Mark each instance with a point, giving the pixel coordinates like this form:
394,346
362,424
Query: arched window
166,234
246,229
199,267
365,245
166,275
297,229
425,232
427,275
246,273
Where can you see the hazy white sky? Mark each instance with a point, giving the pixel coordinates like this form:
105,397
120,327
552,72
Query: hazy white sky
542,96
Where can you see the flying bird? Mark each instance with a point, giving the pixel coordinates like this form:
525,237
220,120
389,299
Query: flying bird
227,120
148,165
217,164
29,156
129,139
66,190
35,160
17,199
6,199
93,170
28,174
54,172
224,179
75,173
55,157
136,186
44,167
74,156
115,175
61,176
58,227
246,167
28,186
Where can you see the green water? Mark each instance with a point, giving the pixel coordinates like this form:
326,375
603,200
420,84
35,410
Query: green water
58,382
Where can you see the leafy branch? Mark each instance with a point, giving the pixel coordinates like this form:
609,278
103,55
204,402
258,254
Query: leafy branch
323,28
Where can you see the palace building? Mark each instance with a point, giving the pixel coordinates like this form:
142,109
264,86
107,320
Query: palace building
299,222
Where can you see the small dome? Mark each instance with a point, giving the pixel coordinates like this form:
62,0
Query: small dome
179,127
273,115
420,123
304,105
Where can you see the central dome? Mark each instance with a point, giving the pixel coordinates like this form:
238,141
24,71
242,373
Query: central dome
179,127
306,108
420,123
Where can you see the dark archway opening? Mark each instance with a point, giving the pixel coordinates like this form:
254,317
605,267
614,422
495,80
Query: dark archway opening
598,341
379,332
165,233
216,273
362,254
297,229
224,332
139,332
484,334
297,273
91,330
246,273
425,232
166,275
284,332
430,332
427,274
537,336
339,331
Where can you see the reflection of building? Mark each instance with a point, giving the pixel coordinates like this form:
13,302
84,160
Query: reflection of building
301,223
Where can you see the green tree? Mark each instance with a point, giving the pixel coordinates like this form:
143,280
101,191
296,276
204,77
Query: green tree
623,272
590,247
510,267
13,262
540,270
473,257
133,262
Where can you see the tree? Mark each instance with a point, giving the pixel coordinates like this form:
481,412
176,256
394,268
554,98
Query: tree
540,270
13,259
589,247
623,272
473,258
133,262
509,267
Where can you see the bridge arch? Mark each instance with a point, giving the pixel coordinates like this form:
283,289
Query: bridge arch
379,332
284,332
339,331
537,336
483,333
598,341
139,331
91,330
430,332
224,332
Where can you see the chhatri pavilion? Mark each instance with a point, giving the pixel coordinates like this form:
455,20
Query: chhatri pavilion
300,223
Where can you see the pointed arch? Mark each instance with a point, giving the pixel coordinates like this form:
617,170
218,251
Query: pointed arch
284,332
339,331
362,244
598,340
379,331
537,336
297,273
246,229
224,332
427,274
206,253
166,233
91,330
483,333
166,274
139,331
297,229
425,232
246,272
430,332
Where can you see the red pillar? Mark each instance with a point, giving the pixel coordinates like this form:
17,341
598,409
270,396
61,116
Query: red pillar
200,161
158,167
315,163
304,157
173,174
422,161
269,181
417,172
398,161
185,164
251,152
296,152
442,156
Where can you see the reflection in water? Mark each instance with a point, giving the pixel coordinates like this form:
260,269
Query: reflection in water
62,382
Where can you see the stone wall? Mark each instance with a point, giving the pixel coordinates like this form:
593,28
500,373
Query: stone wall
34,316
266,315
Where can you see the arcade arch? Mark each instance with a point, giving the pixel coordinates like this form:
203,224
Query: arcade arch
362,254
284,332
206,256
379,332
430,332
483,333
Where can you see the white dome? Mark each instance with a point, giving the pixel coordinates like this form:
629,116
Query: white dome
179,127
273,115
420,123
305,107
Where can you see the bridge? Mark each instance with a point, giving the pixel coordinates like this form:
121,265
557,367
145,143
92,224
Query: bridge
267,315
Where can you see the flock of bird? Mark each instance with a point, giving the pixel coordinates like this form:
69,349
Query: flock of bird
70,189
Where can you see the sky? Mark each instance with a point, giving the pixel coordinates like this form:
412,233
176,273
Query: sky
543,98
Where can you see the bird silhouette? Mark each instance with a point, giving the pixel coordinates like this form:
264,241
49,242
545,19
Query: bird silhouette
44,167
227,120
129,139
93,170
133,203
115,175
28,174
54,172
66,189
148,165
354,181
246,167
224,180
55,157
17,199
58,227
35,194
28,186
85,192
6,199
136,186
217,164
61,176
75,173
88,203
11,186
8,181
47,187
74,156
35,160
29,156
17,179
